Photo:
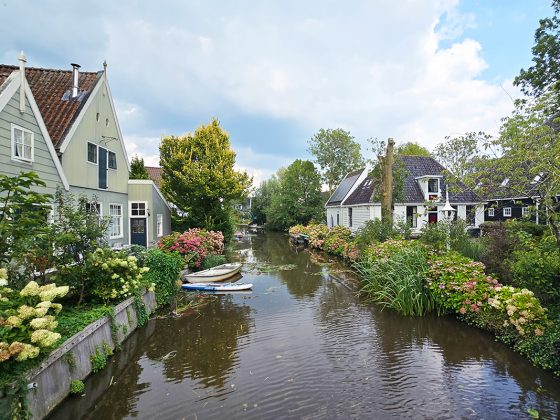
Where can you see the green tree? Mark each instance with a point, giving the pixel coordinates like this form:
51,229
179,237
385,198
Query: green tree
544,74
298,197
411,149
137,169
263,196
462,155
336,153
198,176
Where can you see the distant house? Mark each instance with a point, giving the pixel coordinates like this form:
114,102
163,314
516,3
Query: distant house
25,143
354,202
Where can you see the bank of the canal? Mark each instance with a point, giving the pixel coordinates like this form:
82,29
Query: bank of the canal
302,345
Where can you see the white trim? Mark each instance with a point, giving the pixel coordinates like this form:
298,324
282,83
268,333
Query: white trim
525,212
130,217
159,218
20,159
504,211
491,212
11,86
96,163
122,220
130,202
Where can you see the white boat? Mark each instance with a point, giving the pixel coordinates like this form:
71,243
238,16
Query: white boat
217,287
218,273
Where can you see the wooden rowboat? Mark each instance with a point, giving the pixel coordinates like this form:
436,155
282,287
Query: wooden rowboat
217,287
219,273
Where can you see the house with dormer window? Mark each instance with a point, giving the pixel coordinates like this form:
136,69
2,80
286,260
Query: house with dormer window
356,200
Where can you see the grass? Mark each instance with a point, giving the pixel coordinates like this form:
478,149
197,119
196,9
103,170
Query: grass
398,281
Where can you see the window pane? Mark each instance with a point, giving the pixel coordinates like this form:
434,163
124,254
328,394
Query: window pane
433,186
92,153
112,162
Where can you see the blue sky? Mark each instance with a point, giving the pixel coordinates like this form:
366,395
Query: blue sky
276,72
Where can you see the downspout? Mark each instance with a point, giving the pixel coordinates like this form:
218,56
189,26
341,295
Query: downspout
22,61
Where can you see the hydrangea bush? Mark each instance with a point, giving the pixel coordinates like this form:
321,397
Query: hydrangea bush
194,245
27,319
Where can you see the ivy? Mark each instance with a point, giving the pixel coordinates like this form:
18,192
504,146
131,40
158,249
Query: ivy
164,272
141,313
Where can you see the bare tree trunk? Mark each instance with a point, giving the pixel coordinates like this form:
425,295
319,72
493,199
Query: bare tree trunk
387,183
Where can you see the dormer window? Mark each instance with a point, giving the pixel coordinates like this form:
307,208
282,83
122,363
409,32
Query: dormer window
433,186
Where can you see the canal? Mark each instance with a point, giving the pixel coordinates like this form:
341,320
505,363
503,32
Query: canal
302,345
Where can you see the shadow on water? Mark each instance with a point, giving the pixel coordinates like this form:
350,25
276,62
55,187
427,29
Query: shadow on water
304,346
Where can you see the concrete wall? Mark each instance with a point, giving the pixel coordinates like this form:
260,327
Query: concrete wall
51,381
43,163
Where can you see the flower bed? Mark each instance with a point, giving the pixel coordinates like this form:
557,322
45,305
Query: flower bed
194,245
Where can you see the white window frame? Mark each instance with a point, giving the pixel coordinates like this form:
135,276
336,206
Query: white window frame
525,212
438,186
15,127
159,225
96,153
108,167
507,211
130,203
121,217
491,211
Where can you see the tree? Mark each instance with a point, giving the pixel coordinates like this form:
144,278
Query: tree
263,196
198,176
544,74
137,169
412,149
298,197
336,153
462,155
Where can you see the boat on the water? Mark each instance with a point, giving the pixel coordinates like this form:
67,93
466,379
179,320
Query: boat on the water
218,273
217,287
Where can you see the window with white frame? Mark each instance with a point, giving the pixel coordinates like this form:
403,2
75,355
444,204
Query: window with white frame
491,212
159,225
116,224
111,160
92,153
507,211
22,144
138,209
525,211
433,185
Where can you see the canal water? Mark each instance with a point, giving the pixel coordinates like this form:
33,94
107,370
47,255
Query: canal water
303,345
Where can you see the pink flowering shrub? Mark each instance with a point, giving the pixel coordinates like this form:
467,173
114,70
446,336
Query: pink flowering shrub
297,229
193,244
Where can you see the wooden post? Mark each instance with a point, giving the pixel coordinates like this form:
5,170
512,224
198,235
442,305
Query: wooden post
387,183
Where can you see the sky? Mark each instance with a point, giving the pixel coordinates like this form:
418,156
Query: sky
275,72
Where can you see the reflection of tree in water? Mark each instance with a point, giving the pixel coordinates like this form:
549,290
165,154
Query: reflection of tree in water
206,345
302,281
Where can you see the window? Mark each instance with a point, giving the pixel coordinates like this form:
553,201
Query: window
94,208
350,216
412,216
92,153
22,144
337,219
525,211
471,215
160,225
433,185
138,209
115,226
491,212
507,211
112,160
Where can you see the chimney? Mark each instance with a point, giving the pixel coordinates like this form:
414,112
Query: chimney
22,61
75,76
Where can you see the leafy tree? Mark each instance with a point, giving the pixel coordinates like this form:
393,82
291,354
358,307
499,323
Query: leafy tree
198,176
544,74
462,155
411,149
137,169
336,153
263,196
378,149
297,200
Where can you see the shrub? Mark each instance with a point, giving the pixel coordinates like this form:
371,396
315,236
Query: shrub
543,350
499,244
375,231
137,251
397,280
317,235
77,387
337,238
297,230
164,273
27,319
213,261
194,245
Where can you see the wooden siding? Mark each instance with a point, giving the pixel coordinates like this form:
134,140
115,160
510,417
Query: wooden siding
516,210
360,215
78,171
43,163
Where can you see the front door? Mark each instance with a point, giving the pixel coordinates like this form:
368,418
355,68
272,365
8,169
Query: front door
138,233
432,217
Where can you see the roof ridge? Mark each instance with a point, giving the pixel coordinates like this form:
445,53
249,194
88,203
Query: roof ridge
50,70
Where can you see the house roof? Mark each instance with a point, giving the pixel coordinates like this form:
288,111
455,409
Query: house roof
344,188
154,173
52,92
414,167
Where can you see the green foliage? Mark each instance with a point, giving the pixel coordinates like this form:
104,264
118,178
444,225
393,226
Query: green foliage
336,153
398,281
98,360
375,231
544,74
499,244
263,198
198,176
137,169
194,245
164,273
543,351
213,261
77,387
298,198
70,360
460,156
378,149
412,149
138,251
141,313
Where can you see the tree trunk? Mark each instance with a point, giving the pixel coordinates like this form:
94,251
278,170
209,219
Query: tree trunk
387,183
